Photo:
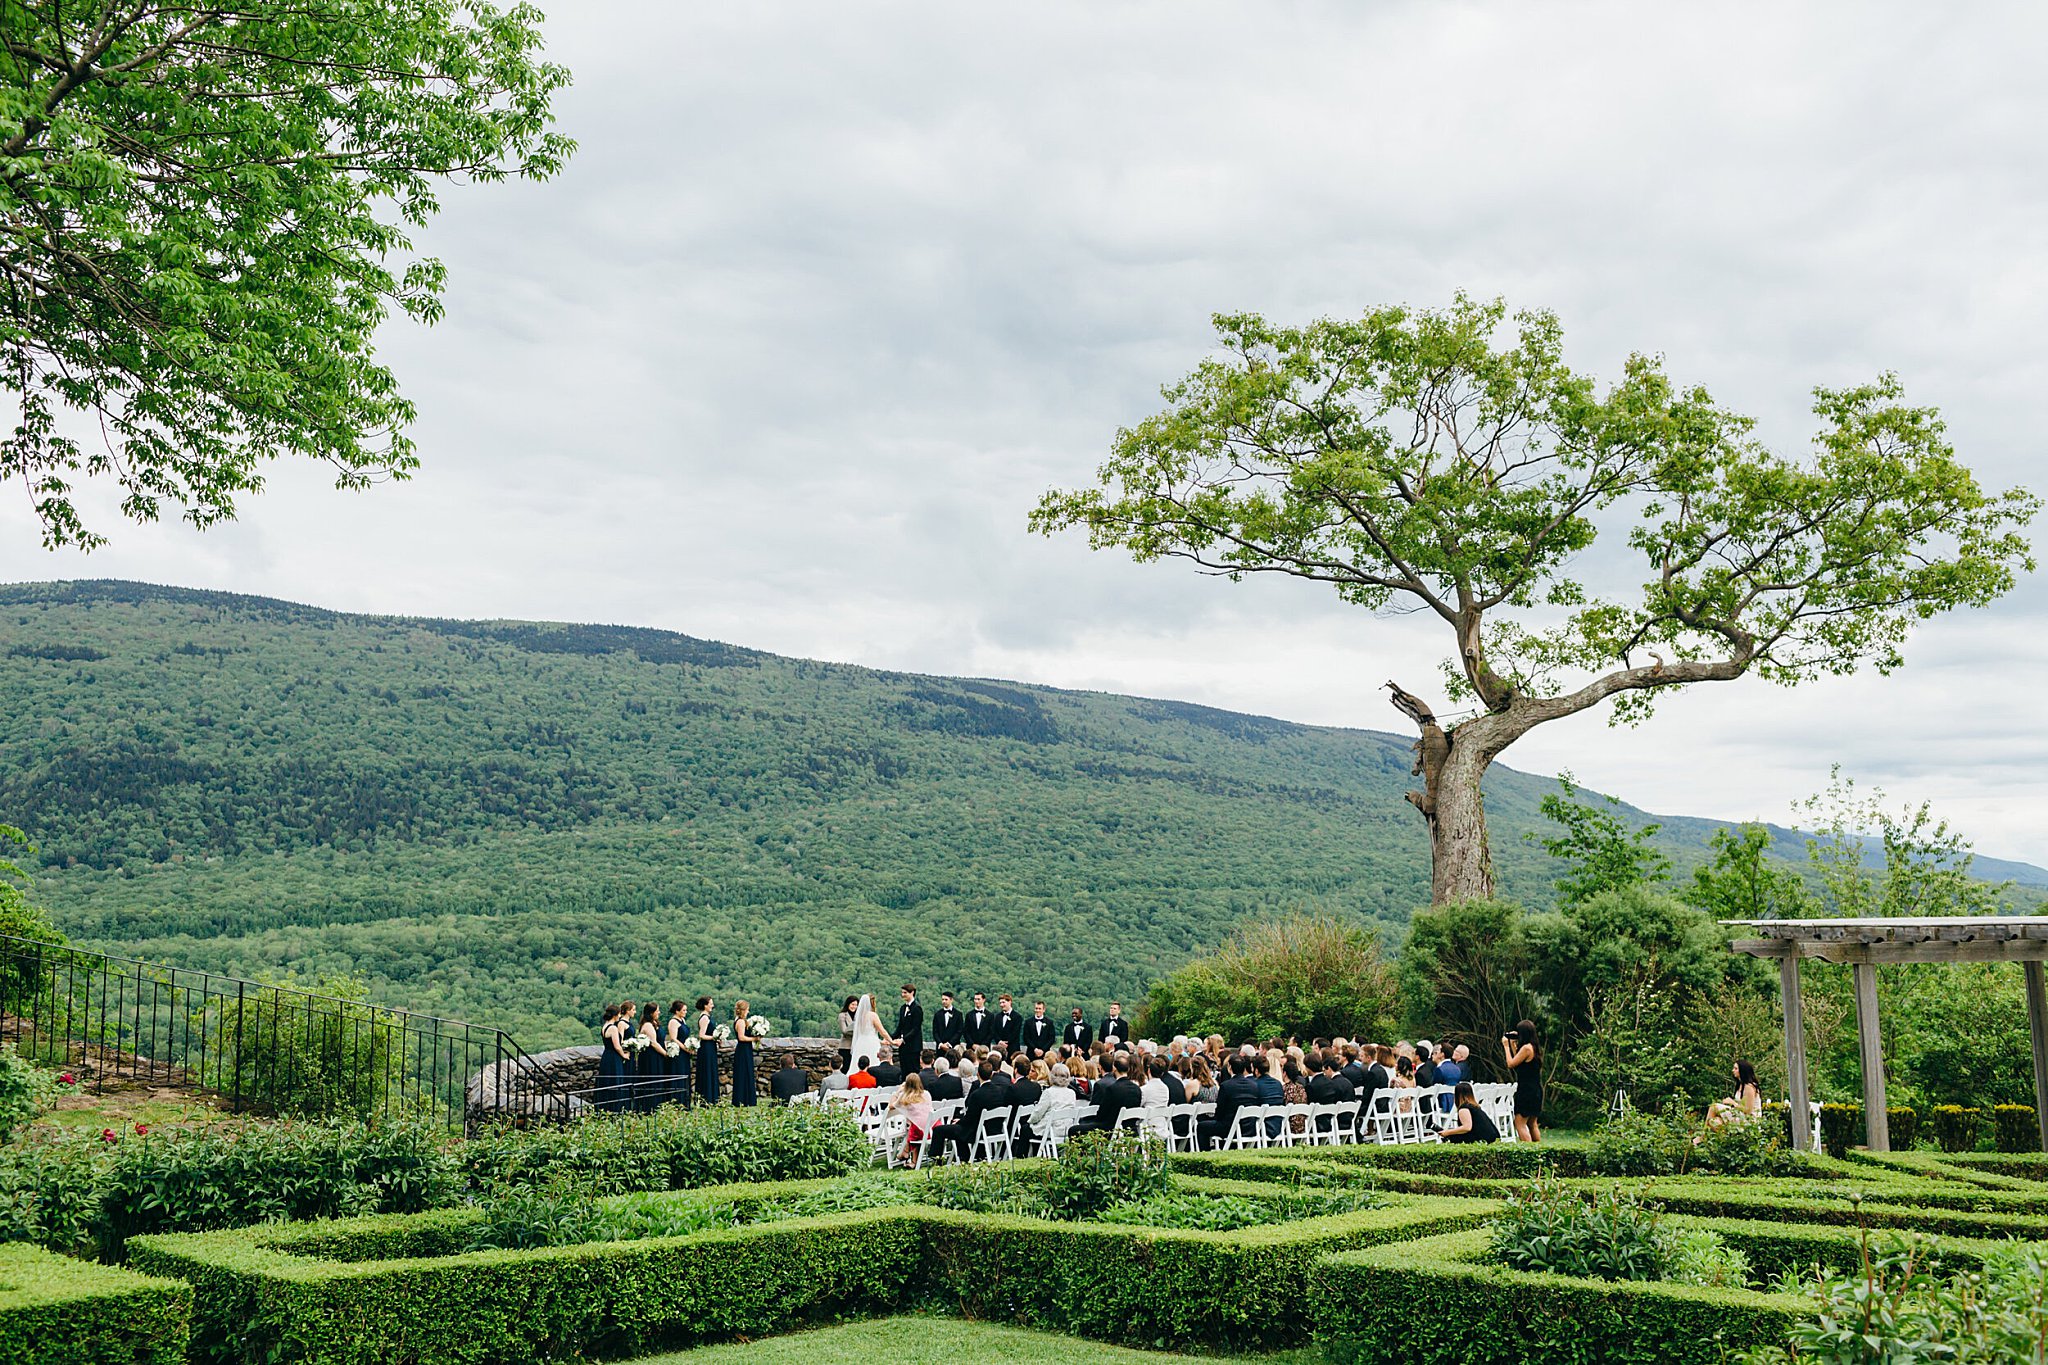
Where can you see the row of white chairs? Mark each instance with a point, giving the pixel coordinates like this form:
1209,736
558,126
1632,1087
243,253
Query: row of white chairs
1393,1117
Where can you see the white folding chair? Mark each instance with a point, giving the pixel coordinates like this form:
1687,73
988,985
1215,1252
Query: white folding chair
992,1137
1379,1123
1180,1126
1057,1125
1247,1129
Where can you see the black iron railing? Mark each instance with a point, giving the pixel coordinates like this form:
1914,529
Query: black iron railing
259,1048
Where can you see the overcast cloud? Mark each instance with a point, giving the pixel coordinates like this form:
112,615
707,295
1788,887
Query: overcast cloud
833,292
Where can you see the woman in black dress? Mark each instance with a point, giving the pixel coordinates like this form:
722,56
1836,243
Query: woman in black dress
678,1055
743,1090
650,1065
1526,1066
610,1062
1472,1123
707,1053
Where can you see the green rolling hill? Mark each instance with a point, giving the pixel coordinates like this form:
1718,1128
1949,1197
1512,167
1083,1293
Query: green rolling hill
512,821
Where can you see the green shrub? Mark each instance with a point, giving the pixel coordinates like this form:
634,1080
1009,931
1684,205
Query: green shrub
2014,1129
1637,1143
59,1311
1905,1127
536,1216
1698,1256
1605,1235
1096,1171
673,1149
1841,1126
26,1091
1743,1148
325,1054
1954,1126
1192,1210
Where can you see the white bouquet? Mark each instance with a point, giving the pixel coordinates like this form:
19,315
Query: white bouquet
757,1027
692,1043
636,1043
723,1033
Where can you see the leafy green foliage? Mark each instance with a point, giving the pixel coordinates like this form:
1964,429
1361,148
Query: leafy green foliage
1897,1311
1742,881
2014,1128
1600,851
26,1091
1641,1143
1607,1235
206,217
1465,973
1098,1170
1954,1127
1305,976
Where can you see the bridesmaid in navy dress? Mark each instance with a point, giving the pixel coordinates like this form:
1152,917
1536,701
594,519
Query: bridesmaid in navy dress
678,1055
707,1053
650,1066
608,1060
743,1089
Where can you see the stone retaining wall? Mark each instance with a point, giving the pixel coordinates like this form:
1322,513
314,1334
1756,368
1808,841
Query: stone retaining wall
523,1087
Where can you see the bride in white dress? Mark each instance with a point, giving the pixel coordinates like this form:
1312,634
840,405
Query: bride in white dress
868,1038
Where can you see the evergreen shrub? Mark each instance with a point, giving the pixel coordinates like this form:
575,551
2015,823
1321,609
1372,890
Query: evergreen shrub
1905,1127
1841,1126
1954,1126
2014,1128
58,1311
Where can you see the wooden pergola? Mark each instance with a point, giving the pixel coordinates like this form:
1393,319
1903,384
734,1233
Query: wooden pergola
1866,944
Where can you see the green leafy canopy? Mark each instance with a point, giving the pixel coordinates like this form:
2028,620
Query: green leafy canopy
1451,462
203,219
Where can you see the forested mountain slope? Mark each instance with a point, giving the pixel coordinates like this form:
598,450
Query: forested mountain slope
512,821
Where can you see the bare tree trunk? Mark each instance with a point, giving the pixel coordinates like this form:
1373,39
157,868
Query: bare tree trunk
1451,766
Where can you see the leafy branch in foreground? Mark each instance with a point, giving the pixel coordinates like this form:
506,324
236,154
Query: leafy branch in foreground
203,219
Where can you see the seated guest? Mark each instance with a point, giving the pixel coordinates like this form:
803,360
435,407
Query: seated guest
791,1081
835,1079
1272,1087
989,1094
916,1108
1028,1085
927,1071
1176,1084
1201,1079
862,1078
1450,1069
1294,1084
1057,1094
1746,1103
1113,1094
1471,1123
1154,1094
1425,1064
886,1072
1234,1094
945,1083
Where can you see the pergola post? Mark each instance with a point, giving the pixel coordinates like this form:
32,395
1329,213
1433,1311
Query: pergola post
1877,1120
1795,1052
2037,1024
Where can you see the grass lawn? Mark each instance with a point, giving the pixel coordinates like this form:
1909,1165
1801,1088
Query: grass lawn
939,1341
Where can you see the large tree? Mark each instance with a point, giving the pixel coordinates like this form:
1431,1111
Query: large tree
203,218
1449,462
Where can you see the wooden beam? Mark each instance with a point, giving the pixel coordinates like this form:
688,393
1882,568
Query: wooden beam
2037,1024
1847,951
1877,1120
1795,1053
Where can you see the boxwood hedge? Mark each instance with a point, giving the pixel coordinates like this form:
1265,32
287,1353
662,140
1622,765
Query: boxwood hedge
396,1288
58,1311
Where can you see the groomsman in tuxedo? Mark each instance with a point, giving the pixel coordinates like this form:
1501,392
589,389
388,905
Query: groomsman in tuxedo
1077,1033
1116,1030
948,1025
909,1039
1009,1026
981,1025
1038,1033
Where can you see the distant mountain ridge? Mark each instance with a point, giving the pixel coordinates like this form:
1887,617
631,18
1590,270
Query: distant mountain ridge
515,820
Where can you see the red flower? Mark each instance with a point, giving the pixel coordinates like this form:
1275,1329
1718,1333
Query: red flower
67,1079
141,1129
108,1135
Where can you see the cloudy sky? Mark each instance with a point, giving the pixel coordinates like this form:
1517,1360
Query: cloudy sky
832,293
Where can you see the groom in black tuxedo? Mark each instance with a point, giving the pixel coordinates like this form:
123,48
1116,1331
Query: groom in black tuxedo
947,1025
909,1039
1038,1033
981,1025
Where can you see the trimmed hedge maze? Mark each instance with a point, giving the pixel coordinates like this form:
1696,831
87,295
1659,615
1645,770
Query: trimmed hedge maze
1407,1279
